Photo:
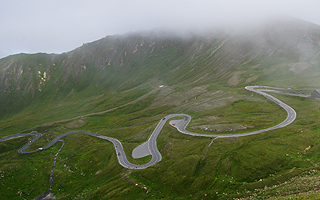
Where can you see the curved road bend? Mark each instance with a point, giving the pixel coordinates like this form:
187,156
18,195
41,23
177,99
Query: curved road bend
152,141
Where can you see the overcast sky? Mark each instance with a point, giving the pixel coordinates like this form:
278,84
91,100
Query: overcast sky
55,26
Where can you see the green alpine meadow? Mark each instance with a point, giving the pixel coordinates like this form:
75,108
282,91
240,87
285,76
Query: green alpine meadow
122,86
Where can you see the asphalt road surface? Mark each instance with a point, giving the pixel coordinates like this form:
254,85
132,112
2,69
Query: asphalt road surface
180,125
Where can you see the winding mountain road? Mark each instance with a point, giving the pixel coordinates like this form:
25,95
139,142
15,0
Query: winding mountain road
150,147
152,141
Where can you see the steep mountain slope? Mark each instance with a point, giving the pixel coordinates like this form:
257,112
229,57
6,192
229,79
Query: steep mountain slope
120,63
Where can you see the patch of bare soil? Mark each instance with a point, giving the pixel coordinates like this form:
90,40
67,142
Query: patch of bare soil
215,103
205,101
220,127
211,118
251,79
215,99
235,79
167,96
297,68
76,124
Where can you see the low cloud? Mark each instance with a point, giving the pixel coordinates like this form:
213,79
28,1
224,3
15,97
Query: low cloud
55,26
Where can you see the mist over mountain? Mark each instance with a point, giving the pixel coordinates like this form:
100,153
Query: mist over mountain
123,62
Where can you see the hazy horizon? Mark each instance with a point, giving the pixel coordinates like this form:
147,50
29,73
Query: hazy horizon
60,26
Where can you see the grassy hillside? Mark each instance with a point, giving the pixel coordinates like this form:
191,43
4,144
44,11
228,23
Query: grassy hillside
111,86
87,167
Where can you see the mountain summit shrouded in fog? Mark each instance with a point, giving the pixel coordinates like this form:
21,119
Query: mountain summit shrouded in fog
58,26
123,62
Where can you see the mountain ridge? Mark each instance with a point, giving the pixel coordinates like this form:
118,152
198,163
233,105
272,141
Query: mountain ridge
122,62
